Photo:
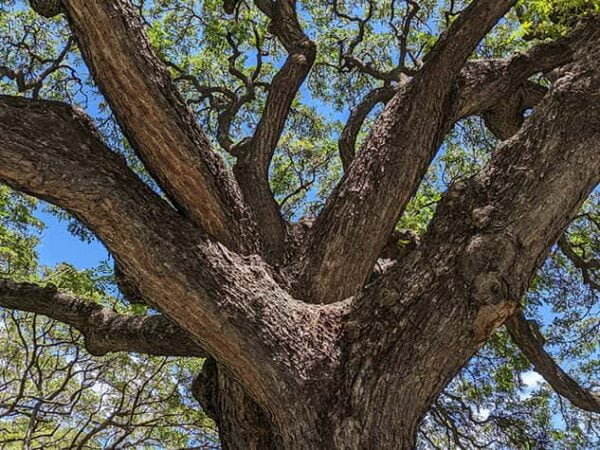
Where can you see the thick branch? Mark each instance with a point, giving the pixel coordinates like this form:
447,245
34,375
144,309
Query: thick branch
254,157
434,309
103,329
155,119
528,340
484,83
229,304
361,213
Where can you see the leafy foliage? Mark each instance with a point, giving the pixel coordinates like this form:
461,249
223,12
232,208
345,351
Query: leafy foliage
542,19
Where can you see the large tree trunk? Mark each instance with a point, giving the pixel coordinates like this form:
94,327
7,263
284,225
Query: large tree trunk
243,425
330,424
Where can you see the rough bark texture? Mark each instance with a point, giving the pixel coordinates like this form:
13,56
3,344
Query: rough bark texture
156,121
308,355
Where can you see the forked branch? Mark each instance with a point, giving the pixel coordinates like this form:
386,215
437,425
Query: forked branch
489,235
587,266
254,156
387,172
485,83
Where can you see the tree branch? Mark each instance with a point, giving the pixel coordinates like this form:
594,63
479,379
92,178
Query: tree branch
104,330
532,346
156,121
456,44
585,265
358,114
354,226
36,83
484,83
230,304
254,156
489,235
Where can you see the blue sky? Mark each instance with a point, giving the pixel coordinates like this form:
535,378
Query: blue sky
58,245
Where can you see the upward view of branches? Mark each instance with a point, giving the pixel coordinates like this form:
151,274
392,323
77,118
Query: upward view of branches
340,224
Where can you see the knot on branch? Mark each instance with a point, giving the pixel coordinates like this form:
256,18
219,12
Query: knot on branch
47,8
481,217
505,118
489,288
487,253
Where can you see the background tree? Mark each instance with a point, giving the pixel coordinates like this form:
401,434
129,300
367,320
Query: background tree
352,299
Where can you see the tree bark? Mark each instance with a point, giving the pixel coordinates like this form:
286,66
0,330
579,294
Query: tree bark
242,423
157,122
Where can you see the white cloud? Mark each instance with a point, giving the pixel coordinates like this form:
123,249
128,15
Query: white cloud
532,379
481,413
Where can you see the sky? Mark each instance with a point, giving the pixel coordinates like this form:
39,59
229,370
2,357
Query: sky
58,245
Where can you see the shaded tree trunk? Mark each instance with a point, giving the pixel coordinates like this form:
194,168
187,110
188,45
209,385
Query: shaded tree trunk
242,423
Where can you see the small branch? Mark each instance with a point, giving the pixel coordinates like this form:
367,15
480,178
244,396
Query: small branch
255,155
532,345
358,114
585,265
104,330
348,59
36,83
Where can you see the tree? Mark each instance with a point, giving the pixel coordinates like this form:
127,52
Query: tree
342,329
